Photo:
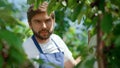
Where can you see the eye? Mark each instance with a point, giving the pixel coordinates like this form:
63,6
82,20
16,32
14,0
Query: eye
37,21
48,21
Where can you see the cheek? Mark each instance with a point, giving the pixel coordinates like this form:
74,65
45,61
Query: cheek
34,28
51,27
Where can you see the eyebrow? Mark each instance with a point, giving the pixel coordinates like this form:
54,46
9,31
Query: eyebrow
37,20
48,19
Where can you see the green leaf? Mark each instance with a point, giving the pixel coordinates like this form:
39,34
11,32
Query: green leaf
1,57
101,5
37,3
30,1
16,55
15,50
38,61
76,11
117,41
53,5
10,38
106,24
116,2
88,62
1,46
116,30
88,22
1,61
8,20
71,4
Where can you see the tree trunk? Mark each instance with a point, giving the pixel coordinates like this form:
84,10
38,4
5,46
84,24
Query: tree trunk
100,46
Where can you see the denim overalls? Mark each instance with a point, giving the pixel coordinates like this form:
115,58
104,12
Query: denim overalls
51,60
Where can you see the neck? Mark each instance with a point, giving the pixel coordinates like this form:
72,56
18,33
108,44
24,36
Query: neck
41,40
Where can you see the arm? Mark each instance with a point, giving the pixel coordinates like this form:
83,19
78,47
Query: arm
71,63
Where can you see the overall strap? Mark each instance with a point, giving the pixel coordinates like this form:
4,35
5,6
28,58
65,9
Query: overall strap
36,43
56,45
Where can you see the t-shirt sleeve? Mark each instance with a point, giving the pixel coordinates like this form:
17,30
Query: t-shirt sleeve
67,52
30,49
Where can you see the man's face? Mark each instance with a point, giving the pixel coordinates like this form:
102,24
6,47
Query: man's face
42,25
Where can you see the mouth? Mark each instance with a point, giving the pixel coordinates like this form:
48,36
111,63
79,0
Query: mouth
44,32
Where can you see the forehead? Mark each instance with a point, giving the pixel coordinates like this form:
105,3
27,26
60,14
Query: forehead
41,16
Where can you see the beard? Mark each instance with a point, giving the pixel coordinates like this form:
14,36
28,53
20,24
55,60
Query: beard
43,34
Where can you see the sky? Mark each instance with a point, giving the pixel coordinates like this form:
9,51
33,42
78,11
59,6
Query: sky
19,5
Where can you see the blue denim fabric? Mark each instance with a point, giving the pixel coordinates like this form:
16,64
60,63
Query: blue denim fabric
51,60
54,58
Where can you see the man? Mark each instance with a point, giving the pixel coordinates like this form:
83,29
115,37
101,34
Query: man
44,44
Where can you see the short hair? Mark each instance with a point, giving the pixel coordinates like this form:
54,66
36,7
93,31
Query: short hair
42,8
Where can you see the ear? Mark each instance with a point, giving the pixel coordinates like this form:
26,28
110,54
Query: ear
30,24
54,20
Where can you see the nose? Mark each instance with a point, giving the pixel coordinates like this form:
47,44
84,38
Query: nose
44,25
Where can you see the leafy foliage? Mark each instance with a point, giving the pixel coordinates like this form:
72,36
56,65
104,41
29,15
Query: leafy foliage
90,12
104,11
11,38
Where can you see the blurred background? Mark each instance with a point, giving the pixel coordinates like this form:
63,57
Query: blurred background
90,28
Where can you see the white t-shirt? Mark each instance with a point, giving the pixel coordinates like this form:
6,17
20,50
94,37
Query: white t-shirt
49,47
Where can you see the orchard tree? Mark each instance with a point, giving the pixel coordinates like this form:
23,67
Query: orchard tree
100,17
103,18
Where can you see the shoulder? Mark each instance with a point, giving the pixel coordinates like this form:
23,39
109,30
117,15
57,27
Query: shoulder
29,48
63,47
55,37
58,41
27,41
